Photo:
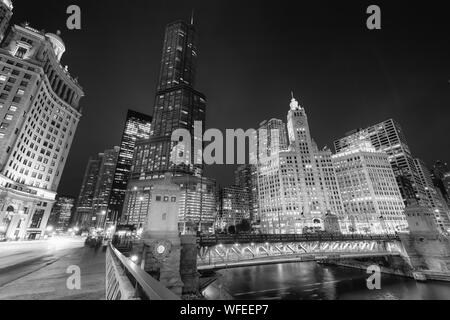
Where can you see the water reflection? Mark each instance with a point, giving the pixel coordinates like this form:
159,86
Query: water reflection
311,281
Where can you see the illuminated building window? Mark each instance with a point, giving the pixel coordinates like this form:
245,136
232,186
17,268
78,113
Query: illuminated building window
21,52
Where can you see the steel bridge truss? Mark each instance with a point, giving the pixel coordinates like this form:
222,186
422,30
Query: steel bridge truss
227,255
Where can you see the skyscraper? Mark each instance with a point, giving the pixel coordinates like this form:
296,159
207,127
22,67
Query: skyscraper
272,137
177,106
6,13
439,206
389,137
297,187
91,211
137,127
40,111
85,203
104,186
371,197
246,177
62,213
234,206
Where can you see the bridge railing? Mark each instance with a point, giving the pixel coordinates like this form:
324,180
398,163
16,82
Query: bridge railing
263,238
127,281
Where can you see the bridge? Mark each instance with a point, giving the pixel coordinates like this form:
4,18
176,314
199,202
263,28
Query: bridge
228,251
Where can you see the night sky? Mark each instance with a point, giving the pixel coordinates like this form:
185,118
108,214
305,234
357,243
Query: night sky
252,54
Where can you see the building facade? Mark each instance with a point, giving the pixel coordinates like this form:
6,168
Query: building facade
177,106
246,177
234,207
297,187
439,206
371,197
197,203
62,212
39,112
137,127
103,188
95,192
85,203
388,136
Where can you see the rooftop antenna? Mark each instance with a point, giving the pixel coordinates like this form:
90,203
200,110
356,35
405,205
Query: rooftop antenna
292,94
192,17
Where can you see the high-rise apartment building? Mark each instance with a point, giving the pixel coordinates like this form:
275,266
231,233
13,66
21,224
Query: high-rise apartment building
177,106
85,203
39,114
61,215
137,127
234,206
389,137
297,187
104,186
370,194
91,211
439,206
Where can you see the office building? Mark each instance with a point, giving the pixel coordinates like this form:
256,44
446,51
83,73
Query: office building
370,194
234,207
62,212
297,187
388,136
137,127
439,206
39,114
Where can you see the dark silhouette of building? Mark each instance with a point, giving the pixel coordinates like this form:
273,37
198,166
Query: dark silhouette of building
137,127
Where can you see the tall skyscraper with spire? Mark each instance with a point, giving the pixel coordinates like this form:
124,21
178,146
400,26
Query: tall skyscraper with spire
297,187
178,105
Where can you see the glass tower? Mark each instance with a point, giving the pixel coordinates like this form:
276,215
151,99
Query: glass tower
137,127
178,105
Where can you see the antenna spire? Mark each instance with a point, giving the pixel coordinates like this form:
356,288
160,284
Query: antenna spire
292,94
192,17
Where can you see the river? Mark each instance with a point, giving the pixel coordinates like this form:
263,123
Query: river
312,281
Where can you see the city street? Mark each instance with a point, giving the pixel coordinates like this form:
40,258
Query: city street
37,270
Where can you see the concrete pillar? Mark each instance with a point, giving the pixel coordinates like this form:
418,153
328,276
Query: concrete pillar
188,265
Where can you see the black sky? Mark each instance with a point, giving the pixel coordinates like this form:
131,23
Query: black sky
252,54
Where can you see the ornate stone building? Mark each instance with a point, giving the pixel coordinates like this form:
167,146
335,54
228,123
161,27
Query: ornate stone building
39,114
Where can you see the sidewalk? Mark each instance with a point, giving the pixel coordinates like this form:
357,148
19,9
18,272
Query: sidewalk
49,282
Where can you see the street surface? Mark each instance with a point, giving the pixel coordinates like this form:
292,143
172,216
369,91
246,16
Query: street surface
37,270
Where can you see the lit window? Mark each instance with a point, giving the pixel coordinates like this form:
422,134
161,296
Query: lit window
3,78
9,117
13,108
21,52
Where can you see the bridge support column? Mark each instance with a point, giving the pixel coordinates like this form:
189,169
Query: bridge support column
188,265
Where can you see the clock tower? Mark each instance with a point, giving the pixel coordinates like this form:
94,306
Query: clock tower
161,236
